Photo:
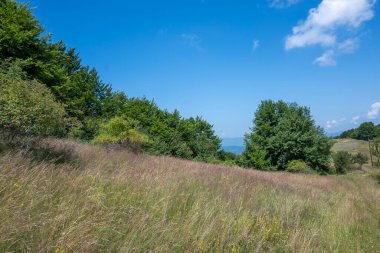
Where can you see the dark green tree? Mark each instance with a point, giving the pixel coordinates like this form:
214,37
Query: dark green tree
23,43
201,138
366,131
284,132
352,133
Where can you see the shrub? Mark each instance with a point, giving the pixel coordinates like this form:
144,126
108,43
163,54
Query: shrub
122,131
342,162
297,166
3,147
360,159
376,177
28,107
375,148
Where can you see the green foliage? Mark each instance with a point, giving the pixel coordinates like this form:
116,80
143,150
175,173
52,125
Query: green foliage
228,158
366,131
375,148
360,159
342,162
352,133
78,87
171,134
376,177
28,107
122,131
22,41
284,132
298,166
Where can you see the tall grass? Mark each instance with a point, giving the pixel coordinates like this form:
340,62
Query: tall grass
122,202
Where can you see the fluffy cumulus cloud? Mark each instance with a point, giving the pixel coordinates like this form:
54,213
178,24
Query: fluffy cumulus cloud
323,23
374,111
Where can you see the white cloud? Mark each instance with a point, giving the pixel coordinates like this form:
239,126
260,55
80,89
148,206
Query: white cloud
334,123
326,59
323,23
349,45
355,120
255,45
282,3
374,110
192,40
331,124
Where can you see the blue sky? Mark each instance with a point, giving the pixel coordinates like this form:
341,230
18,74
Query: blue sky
220,58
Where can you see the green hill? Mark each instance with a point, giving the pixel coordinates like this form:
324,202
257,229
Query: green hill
352,146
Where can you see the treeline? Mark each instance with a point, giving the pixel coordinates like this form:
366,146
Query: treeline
47,91
366,131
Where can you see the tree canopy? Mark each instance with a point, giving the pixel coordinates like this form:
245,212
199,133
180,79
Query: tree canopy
366,131
284,132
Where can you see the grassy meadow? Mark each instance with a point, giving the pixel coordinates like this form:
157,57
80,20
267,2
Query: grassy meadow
90,199
351,146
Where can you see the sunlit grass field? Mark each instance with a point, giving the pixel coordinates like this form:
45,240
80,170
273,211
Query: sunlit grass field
93,200
352,146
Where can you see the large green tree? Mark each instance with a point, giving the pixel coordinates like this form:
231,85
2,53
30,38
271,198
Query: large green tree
284,132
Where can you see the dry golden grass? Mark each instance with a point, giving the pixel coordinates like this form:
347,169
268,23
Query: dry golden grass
351,146
115,201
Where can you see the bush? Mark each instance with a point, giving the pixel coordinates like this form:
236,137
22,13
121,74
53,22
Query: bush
376,177
342,162
360,159
124,132
3,147
28,107
298,166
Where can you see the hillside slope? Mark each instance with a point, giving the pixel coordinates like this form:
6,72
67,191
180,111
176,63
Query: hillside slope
352,146
94,200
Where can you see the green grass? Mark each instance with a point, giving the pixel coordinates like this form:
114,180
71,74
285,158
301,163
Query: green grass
122,202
